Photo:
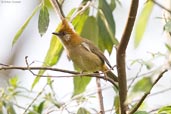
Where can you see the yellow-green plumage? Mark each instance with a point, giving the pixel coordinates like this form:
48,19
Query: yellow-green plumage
84,54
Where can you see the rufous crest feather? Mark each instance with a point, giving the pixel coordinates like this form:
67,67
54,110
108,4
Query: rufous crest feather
67,27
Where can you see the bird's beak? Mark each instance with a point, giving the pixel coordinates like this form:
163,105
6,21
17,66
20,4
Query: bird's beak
56,33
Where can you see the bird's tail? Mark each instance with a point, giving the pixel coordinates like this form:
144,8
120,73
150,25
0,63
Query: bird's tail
110,74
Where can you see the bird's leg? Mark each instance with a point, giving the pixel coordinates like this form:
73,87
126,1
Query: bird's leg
105,76
82,72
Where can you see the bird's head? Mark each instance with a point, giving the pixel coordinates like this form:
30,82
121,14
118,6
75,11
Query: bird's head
66,31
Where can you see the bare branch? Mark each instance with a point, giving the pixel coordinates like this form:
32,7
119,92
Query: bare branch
100,96
29,68
121,56
81,9
57,8
25,111
161,6
147,93
134,78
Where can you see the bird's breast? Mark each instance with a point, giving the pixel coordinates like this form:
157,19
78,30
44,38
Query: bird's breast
85,59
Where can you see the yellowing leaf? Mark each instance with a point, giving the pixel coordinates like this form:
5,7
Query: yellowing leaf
79,21
20,31
52,56
142,22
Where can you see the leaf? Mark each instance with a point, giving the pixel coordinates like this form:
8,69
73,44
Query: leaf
141,112
41,107
165,110
90,29
13,81
10,109
49,97
47,3
80,84
79,21
105,39
82,111
107,12
106,25
168,47
167,26
143,85
116,104
52,56
112,4
20,31
70,13
43,22
142,21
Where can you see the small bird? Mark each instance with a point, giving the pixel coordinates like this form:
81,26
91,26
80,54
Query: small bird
84,54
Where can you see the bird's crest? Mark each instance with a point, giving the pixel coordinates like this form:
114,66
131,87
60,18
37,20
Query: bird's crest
67,26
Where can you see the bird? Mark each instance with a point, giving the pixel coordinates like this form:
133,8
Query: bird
84,54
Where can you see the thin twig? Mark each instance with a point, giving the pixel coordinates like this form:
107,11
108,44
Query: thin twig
29,68
120,58
80,10
147,93
100,96
133,80
161,6
25,112
57,8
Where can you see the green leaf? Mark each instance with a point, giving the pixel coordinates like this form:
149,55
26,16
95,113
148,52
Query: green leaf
106,41
13,81
20,31
141,112
80,84
82,110
41,107
143,85
48,4
142,21
167,26
116,104
165,110
90,29
79,21
10,109
70,13
49,97
43,22
168,47
112,4
106,25
107,12
52,56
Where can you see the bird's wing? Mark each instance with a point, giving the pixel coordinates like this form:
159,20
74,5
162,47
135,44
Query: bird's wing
92,48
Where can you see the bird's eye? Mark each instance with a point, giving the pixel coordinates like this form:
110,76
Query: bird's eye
63,33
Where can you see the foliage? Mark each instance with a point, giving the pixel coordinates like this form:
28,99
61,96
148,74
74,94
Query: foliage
142,22
97,24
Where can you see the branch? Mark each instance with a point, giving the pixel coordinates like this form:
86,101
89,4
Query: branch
100,96
80,10
57,8
121,55
147,93
37,96
29,68
161,6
